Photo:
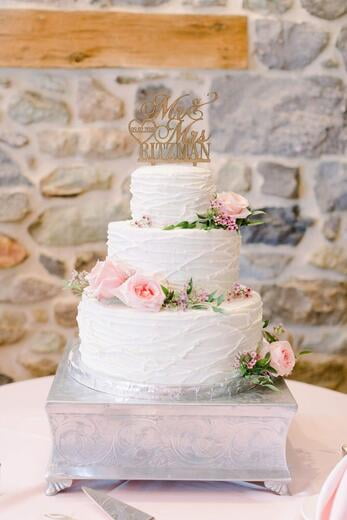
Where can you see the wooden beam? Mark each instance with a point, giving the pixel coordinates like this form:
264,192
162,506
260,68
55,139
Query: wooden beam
83,39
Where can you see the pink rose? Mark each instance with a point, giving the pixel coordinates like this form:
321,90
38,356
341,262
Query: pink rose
105,278
141,292
233,204
282,357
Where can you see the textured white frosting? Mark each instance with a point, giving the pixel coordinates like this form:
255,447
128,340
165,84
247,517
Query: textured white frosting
211,258
168,347
170,193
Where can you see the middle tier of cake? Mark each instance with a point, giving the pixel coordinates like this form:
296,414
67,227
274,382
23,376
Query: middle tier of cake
168,347
210,258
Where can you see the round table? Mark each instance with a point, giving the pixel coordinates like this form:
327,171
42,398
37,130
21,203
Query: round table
316,436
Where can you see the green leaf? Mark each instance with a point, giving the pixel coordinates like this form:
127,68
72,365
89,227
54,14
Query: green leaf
267,356
182,225
271,387
269,337
265,323
211,296
220,299
252,223
169,295
304,352
190,286
261,363
165,290
218,309
199,306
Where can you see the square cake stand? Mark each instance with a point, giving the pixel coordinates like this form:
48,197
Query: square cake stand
98,436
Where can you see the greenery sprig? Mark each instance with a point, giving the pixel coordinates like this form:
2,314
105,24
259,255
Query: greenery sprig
257,370
78,282
212,220
189,298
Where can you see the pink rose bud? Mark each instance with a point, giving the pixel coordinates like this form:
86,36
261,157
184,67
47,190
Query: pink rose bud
282,357
105,278
141,292
233,204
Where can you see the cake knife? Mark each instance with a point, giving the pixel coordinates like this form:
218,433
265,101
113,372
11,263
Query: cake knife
114,508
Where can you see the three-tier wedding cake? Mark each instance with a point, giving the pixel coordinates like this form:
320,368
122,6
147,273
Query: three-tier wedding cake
165,308
164,319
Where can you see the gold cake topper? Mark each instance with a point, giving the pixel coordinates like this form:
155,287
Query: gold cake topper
171,132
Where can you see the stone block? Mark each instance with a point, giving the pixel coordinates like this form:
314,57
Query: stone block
14,139
234,176
281,226
327,9
74,180
268,6
331,186
12,326
14,206
341,44
65,312
43,353
86,260
12,252
262,266
91,143
291,116
95,103
287,45
53,265
313,302
32,107
87,223
10,172
279,180
331,257
331,227
27,289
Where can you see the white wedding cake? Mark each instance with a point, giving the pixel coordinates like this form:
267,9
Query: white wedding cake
164,320
194,330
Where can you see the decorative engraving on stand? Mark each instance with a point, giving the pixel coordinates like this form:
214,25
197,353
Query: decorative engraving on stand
167,444
172,132
81,439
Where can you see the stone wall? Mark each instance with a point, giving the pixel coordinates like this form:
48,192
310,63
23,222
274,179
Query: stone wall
280,136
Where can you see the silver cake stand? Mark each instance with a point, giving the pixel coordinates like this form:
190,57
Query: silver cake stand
210,433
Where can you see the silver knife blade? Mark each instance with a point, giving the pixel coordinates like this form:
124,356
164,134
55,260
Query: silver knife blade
114,508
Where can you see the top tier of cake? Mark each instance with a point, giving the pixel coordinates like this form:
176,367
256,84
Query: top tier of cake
170,193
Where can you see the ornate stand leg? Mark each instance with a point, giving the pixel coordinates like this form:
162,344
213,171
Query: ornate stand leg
276,486
56,485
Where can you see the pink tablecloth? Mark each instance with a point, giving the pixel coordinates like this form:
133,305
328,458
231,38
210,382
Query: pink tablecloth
316,436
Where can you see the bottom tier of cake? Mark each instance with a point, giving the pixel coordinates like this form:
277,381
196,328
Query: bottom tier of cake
168,347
